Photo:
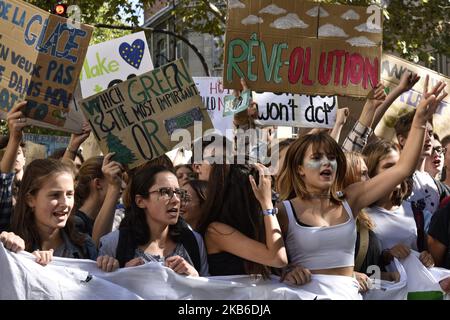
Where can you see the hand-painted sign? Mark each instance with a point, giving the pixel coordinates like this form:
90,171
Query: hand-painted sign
296,110
392,69
114,61
213,95
136,118
41,56
302,47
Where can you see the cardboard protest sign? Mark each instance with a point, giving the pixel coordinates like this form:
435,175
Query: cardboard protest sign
136,118
391,70
302,47
296,110
114,61
41,56
213,94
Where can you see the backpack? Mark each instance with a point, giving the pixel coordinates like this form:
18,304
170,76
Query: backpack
127,245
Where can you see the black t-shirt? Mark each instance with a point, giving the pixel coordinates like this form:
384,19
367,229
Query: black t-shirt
440,230
373,255
83,223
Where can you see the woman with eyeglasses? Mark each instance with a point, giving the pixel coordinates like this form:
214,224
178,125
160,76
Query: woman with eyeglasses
152,230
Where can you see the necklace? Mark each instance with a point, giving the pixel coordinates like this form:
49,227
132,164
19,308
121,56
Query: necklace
319,196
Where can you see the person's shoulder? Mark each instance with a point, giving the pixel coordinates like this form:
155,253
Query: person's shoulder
219,228
110,237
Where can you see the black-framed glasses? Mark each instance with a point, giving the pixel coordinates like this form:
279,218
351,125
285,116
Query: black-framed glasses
439,150
167,193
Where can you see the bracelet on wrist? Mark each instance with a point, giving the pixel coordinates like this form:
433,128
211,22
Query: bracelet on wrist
270,212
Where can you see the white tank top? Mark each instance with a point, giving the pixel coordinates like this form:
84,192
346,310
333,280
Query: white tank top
321,247
394,226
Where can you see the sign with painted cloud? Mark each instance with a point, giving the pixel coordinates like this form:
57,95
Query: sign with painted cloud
41,56
294,110
303,47
111,62
136,118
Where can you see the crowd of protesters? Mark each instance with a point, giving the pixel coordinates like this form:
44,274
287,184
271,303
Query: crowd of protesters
329,209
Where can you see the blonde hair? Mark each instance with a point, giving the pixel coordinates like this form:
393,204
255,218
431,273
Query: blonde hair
353,175
290,184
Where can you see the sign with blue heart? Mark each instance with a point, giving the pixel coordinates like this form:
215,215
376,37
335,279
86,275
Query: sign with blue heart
132,54
114,61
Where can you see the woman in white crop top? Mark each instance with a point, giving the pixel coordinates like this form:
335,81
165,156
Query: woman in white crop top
395,224
319,225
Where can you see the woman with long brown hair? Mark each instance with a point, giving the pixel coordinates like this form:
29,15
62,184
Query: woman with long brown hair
318,216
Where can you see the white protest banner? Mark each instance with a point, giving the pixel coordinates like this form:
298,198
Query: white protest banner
136,118
72,279
41,56
213,94
111,62
295,110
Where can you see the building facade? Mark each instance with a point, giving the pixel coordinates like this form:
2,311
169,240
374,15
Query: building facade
166,48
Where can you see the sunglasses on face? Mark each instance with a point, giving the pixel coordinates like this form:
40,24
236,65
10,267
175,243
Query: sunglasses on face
167,193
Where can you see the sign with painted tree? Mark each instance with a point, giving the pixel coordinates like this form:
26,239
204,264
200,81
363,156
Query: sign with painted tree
112,62
295,110
392,69
137,118
303,47
41,56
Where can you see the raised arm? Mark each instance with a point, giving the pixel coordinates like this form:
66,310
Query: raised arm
75,142
226,238
16,123
341,119
363,194
407,82
361,131
105,218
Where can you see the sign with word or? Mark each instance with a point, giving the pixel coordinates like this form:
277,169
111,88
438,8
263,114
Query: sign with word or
41,56
303,47
136,118
296,110
213,94
392,69
114,61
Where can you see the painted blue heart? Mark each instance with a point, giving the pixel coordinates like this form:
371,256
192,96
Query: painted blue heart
132,54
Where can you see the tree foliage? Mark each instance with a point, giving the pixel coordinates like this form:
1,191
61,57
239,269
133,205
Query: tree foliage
416,29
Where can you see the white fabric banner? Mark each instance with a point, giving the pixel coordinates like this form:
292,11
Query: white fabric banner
71,279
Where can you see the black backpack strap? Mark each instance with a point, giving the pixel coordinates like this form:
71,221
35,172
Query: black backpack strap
125,247
442,190
189,242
